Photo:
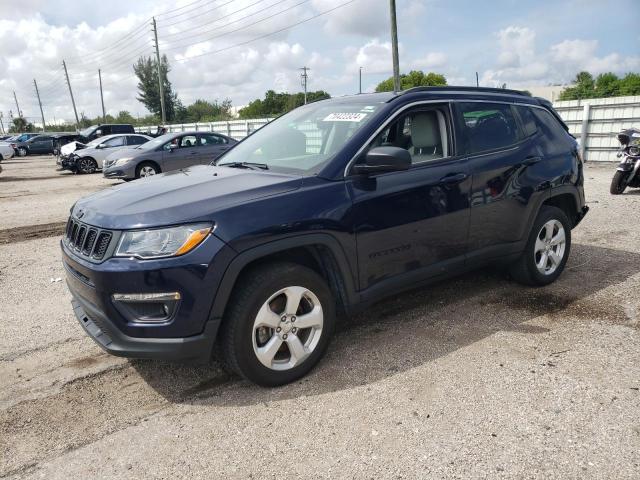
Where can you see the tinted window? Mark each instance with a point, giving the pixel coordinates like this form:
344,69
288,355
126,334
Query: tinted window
136,140
489,126
555,140
422,132
121,128
528,120
114,142
211,139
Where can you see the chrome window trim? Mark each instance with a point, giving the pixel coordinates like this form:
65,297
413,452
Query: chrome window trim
429,102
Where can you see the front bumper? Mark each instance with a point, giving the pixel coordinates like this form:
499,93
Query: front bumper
67,163
197,348
190,332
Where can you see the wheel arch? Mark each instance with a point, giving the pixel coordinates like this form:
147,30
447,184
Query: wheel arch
319,252
566,200
152,162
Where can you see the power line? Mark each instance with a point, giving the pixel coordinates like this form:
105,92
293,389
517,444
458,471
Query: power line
184,59
285,10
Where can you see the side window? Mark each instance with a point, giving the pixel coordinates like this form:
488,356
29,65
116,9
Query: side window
489,126
188,141
528,120
555,139
135,140
211,139
423,132
114,142
120,129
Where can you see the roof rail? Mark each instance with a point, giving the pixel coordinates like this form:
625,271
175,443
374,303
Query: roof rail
467,88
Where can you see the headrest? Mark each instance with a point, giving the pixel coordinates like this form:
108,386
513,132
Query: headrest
424,130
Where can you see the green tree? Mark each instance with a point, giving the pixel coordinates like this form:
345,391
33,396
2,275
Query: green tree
415,78
607,85
604,85
630,84
584,87
148,89
21,125
275,104
204,111
124,117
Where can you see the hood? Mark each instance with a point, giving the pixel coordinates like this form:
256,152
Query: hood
181,196
70,147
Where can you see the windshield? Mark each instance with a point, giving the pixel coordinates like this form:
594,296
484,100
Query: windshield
88,131
95,141
305,139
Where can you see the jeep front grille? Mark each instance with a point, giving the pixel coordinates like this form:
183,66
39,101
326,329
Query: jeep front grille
86,240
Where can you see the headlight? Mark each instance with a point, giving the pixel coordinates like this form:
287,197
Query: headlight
122,161
635,151
162,242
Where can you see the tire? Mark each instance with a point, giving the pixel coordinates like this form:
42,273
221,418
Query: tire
147,169
618,183
22,152
86,165
261,295
542,261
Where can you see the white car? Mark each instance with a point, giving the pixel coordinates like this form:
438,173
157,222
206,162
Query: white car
6,151
91,158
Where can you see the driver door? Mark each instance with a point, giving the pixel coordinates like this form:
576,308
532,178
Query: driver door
183,155
412,224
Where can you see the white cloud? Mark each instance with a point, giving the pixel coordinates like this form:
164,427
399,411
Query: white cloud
432,60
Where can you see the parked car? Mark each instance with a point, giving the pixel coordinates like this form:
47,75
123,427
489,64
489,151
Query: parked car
39,145
91,158
19,143
62,138
165,153
6,151
95,131
327,209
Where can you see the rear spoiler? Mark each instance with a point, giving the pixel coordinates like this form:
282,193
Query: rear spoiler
549,106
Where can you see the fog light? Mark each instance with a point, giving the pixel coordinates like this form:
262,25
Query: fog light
147,307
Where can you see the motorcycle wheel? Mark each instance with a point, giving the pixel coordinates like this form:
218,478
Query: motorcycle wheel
618,183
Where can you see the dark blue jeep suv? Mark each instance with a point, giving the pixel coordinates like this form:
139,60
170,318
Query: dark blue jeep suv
326,210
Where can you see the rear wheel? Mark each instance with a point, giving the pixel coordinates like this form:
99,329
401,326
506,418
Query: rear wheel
87,165
278,324
547,249
22,152
146,169
619,182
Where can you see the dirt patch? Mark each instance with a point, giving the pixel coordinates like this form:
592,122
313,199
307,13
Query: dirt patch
31,232
27,179
83,362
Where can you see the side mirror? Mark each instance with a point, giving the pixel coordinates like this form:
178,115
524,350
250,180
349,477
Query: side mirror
384,159
100,145
173,146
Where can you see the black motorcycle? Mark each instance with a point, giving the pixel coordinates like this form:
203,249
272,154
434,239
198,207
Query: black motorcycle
628,172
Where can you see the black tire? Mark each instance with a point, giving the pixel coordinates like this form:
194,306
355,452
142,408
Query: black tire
86,165
152,165
524,270
236,337
22,152
618,183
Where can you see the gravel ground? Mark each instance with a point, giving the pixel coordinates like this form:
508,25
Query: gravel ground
475,377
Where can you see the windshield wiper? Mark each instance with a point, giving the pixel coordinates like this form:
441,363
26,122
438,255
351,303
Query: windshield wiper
251,165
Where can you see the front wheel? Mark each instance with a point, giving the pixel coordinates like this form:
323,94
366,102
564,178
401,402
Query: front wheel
22,152
278,324
547,249
87,165
619,182
146,169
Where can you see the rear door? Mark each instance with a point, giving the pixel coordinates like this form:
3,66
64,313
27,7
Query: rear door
502,160
212,146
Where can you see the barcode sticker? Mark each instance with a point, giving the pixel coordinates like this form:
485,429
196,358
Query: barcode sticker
344,117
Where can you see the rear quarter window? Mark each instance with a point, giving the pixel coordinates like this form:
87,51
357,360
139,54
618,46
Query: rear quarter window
528,120
554,140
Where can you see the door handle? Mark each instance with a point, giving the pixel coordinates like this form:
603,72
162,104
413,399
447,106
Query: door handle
453,178
531,161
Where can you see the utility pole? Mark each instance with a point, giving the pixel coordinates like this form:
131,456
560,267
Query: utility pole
394,46
73,102
17,106
304,77
39,103
104,117
360,89
155,35
477,81
2,123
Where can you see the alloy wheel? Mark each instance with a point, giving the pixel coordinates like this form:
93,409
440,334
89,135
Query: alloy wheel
147,171
287,328
550,247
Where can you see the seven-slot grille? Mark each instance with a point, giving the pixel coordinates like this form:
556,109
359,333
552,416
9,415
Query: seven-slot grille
86,240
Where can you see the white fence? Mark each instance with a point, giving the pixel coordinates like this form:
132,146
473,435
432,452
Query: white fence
596,121
237,129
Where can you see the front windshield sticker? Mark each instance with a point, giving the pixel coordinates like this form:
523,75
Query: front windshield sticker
344,117
368,108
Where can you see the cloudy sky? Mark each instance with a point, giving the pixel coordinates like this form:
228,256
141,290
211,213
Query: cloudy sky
238,49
